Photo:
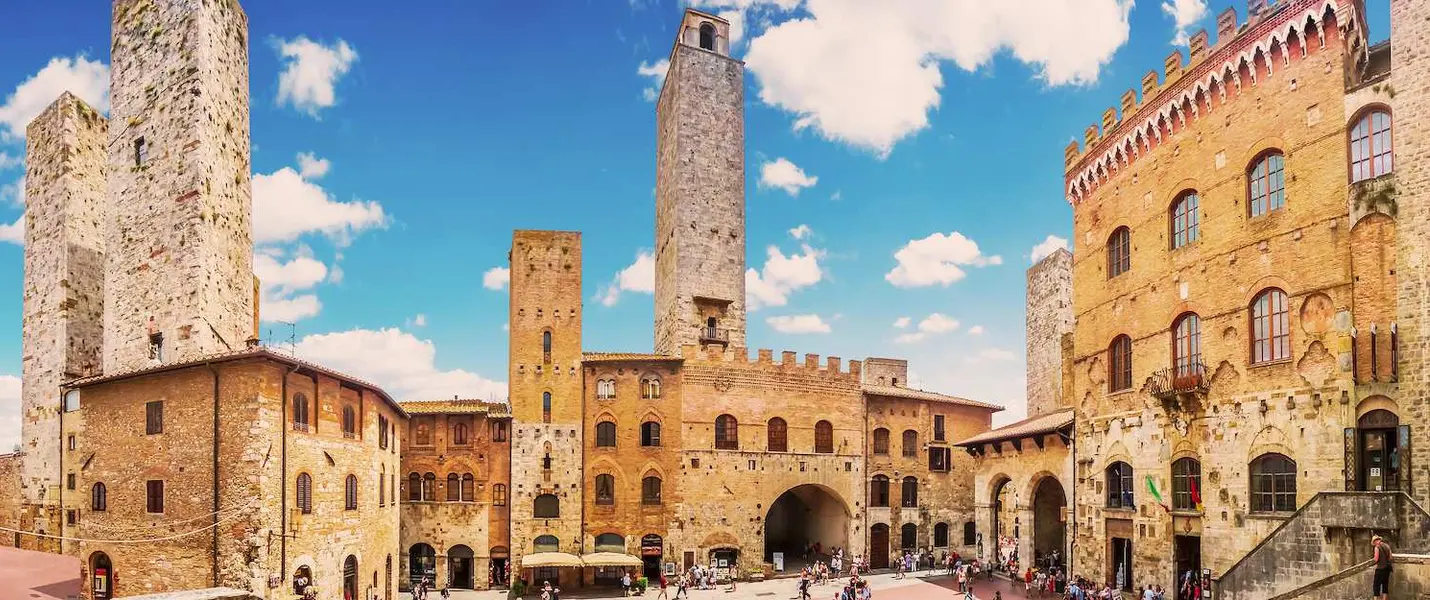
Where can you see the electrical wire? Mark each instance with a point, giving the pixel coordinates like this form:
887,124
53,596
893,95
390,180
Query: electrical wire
125,541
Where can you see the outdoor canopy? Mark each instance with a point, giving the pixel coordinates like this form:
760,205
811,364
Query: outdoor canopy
610,559
550,559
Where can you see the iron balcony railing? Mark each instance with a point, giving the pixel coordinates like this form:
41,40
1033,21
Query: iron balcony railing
1188,378
711,334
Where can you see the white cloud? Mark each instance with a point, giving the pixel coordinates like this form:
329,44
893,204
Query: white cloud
287,205
867,73
638,277
901,322
781,275
800,232
1184,13
937,259
86,79
737,25
7,161
798,324
975,330
399,362
13,193
284,286
988,355
9,413
783,174
418,321
1047,247
933,324
14,233
656,72
310,72
496,278
311,167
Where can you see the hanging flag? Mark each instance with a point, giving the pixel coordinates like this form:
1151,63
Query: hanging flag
1196,492
1152,488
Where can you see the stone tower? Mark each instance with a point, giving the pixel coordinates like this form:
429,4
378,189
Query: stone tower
545,389
1410,76
179,283
700,191
1049,317
63,315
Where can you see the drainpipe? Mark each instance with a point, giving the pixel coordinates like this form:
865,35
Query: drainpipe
61,463
214,370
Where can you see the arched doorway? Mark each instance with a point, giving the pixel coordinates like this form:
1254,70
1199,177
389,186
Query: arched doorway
102,576
1005,521
350,578
1049,532
302,579
459,567
421,562
804,524
879,546
1380,441
652,555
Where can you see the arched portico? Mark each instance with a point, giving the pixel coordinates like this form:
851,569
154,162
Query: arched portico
805,520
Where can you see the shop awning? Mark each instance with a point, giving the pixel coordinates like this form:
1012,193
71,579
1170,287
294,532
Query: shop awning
550,559
610,559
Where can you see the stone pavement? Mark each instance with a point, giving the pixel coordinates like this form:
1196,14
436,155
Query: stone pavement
886,587
26,575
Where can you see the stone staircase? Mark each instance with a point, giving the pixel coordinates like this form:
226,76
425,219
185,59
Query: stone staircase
1325,542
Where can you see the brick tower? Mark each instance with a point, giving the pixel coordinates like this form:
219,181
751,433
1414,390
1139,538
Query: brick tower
1049,316
179,283
545,390
62,323
700,191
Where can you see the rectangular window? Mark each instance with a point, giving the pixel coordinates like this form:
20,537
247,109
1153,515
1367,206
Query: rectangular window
154,417
938,428
382,432
498,431
71,516
156,347
939,459
154,497
141,152
71,442
69,481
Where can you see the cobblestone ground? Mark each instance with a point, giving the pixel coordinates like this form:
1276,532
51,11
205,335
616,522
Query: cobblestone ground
885,588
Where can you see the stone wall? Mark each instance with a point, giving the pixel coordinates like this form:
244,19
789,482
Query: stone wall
700,192
180,241
63,292
1049,315
1409,580
1013,476
886,371
10,498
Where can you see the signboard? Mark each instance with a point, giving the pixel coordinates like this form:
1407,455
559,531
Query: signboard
651,545
779,561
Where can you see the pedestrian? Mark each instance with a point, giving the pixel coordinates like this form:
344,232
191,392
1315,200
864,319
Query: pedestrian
962,580
446,593
626,583
1380,587
663,582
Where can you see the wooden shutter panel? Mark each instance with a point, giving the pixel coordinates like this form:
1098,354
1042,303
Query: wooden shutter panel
1403,469
1352,470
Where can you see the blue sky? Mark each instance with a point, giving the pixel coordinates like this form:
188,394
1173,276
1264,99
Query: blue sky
394,151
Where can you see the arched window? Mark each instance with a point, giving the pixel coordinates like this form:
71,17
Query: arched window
1119,252
605,434
424,434
1266,184
909,492
1185,219
1270,327
421,560
610,542
650,490
304,491
707,36
727,433
300,412
499,494
605,389
349,422
459,434
650,434
879,491
545,543
414,487
429,487
350,493
970,533
605,489
909,536
881,441
911,443
546,407
650,388
823,438
1187,345
1119,364
777,435
1371,146
546,346
454,487
1186,484
940,535
1119,486
469,492
546,506
1273,483
98,498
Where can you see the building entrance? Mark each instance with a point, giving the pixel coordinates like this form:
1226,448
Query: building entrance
806,523
1049,531
1379,434
1188,551
879,546
459,567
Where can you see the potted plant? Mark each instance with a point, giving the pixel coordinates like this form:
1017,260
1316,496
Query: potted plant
641,585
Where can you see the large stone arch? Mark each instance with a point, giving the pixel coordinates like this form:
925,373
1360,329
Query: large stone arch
806,514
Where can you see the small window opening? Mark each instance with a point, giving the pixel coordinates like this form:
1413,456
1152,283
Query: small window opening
156,347
141,152
707,36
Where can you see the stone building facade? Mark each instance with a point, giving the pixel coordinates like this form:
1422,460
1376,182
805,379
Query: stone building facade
1237,347
453,492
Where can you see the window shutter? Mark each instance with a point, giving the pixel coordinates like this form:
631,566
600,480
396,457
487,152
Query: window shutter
1351,470
1403,448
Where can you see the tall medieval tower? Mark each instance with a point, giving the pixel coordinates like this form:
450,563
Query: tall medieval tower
700,191
545,391
62,322
1049,317
179,282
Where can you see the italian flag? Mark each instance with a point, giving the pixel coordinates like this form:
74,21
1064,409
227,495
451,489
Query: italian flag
1152,489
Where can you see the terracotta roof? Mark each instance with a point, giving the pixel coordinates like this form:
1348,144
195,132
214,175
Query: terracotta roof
1041,424
455,406
917,394
619,356
255,352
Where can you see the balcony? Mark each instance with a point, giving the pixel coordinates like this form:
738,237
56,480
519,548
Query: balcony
712,335
1179,385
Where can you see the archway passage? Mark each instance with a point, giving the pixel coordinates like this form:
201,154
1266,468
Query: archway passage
806,523
101,576
459,567
1049,532
1005,521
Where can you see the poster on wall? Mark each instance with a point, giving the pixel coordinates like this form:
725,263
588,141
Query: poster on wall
779,561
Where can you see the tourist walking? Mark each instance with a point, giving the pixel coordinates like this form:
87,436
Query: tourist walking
663,583
1380,587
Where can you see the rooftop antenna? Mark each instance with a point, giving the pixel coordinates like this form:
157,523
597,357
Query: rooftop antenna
292,336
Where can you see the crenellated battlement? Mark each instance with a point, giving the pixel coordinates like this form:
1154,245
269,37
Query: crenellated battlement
1195,84
764,359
